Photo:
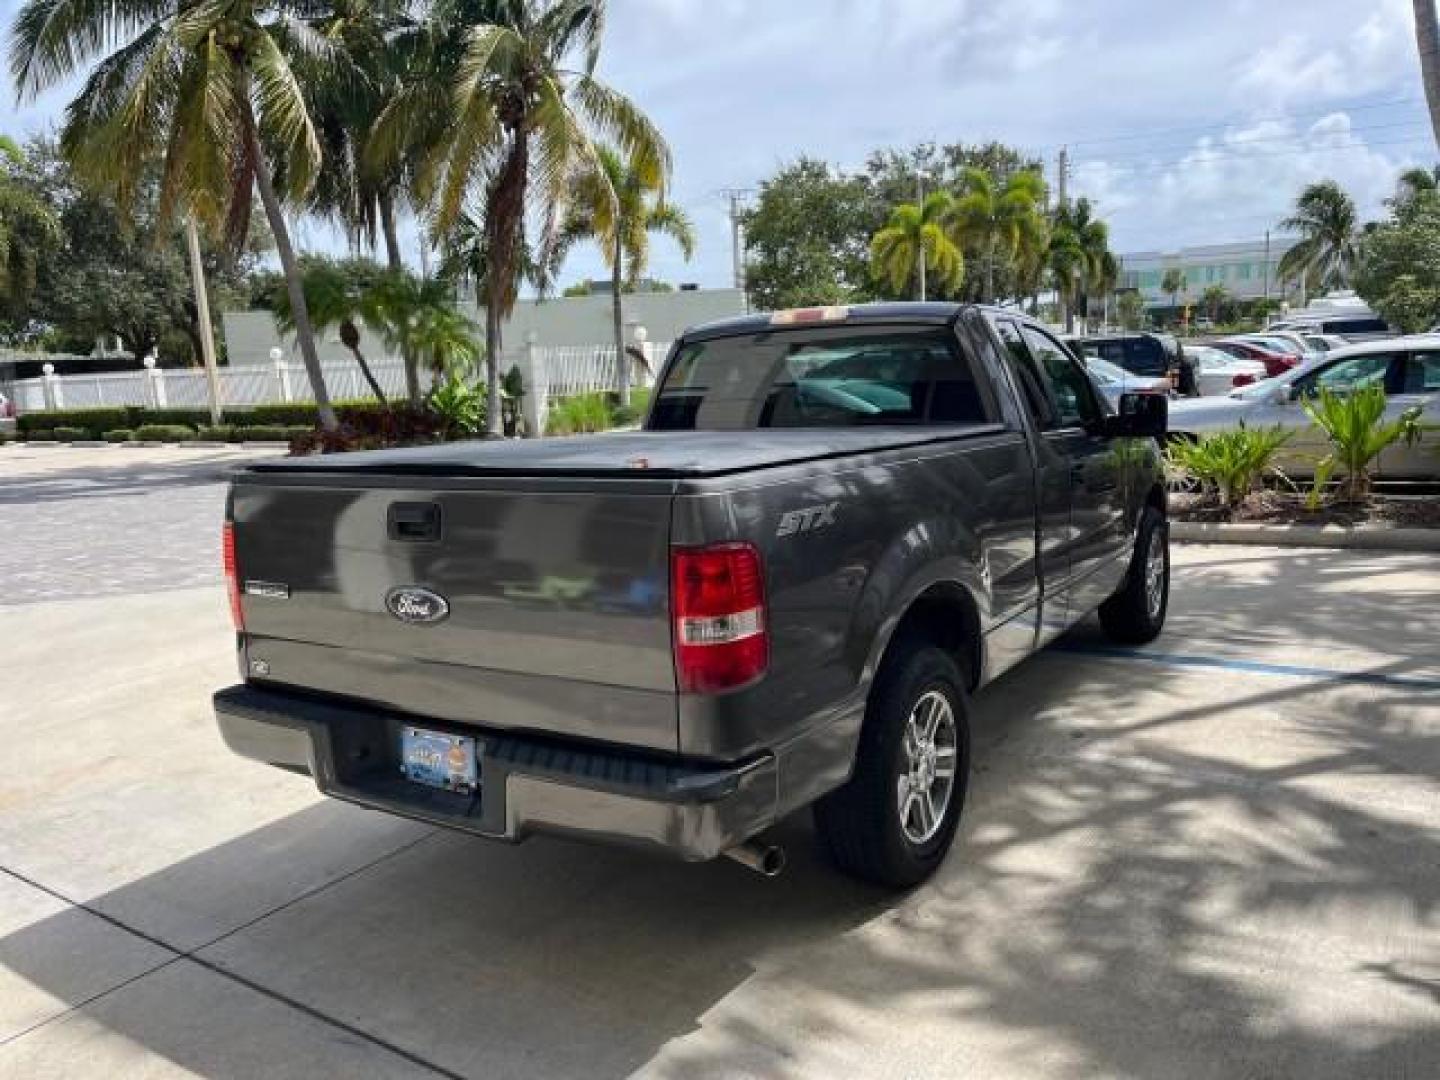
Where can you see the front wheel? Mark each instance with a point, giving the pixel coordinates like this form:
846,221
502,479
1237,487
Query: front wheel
893,822
1136,614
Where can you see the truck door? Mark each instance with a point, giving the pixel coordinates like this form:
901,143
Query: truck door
1099,533
1052,465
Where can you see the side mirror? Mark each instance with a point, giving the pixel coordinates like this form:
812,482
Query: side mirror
1141,416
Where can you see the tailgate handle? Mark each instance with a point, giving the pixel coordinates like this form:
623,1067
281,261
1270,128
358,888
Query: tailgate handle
412,522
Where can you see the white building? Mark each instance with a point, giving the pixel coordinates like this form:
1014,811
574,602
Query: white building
1248,271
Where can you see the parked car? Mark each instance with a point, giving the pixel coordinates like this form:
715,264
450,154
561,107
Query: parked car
1218,372
1276,362
1408,368
782,591
1114,381
1138,353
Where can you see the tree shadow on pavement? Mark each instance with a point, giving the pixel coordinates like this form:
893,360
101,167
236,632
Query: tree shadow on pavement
1161,873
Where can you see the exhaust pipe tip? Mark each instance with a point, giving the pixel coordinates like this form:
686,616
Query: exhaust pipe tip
763,858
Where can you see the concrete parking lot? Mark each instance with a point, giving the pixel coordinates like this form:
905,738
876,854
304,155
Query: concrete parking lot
1217,856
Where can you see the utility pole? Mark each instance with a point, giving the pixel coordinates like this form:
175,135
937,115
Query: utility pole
1062,178
1266,313
737,240
202,316
920,248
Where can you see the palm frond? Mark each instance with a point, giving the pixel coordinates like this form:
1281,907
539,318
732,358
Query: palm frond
285,114
52,39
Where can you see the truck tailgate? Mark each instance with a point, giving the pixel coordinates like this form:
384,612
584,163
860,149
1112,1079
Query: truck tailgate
557,598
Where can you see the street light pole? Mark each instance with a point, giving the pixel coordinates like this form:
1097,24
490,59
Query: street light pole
202,316
920,245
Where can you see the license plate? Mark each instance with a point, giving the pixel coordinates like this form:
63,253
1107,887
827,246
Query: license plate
439,760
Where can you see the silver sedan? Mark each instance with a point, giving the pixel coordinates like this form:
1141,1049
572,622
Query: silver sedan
1407,367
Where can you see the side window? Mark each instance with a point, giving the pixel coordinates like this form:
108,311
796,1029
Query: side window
1422,373
1070,388
1355,373
1024,374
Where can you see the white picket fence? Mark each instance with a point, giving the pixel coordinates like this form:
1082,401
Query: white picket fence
548,372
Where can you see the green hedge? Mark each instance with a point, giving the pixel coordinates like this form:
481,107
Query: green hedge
40,436
95,422
70,434
164,433
119,435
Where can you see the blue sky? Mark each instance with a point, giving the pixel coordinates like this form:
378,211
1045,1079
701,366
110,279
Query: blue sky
1188,123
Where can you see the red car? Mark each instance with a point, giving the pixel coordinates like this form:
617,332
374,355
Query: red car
1276,363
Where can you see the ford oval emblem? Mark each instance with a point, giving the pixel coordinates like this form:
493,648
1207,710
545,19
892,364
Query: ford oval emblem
416,605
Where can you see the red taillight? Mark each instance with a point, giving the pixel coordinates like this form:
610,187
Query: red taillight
232,577
717,598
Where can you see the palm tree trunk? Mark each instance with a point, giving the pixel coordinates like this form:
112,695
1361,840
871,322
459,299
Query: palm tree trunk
369,376
989,297
504,220
617,315
1427,40
395,264
304,332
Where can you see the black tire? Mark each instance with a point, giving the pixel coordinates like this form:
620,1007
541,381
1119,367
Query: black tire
860,823
1132,616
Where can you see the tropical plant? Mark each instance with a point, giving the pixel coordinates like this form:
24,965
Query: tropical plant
578,415
1215,297
458,402
1414,183
213,92
1172,284
1131,308
517,109
1353,422
1003,220
917,241
616,203
1079,258
418,316
1230,463
1327,223
333,299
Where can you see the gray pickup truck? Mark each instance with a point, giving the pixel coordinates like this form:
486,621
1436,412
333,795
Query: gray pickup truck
835,526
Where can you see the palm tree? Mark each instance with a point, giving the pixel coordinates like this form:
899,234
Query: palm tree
517,109
617,205
1414,183
914,233
1326,222
1002,221
1173,283
212,92
334,299
1427,41
1083,258
1215,297
419,315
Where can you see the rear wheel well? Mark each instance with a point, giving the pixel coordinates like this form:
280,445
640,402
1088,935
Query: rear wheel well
943,616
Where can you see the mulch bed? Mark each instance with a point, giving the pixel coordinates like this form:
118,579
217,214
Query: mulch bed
1281,508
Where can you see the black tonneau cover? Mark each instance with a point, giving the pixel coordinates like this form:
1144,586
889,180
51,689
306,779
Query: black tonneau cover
654,454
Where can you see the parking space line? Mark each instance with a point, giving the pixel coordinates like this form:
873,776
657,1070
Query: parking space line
1254,667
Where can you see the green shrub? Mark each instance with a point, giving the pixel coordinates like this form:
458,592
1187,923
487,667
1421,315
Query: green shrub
1230,463
70,434
118,435
40,436
164,433
1353,425
460,405
92,420
580,414
217,433
191,418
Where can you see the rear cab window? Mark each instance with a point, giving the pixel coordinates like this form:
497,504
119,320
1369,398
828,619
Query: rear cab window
820,378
